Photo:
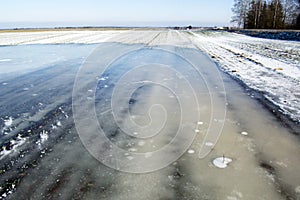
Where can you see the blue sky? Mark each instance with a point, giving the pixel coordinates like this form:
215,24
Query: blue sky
38,13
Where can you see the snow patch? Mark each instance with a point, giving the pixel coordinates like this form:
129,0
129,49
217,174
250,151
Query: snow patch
103,78
8,122
191,151
43,138
244,133
59,124
200,123
14,146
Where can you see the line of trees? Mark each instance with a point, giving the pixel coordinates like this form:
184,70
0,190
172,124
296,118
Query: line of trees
266,14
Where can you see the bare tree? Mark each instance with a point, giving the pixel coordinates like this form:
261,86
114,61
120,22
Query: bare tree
258,12
274,14
277,12
298,18
290,11
240,10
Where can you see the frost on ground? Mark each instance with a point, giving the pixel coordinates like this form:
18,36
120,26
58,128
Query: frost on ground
268,66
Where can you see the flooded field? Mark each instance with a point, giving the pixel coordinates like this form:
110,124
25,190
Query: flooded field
142,116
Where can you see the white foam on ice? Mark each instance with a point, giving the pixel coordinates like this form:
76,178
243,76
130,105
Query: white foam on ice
15,144
222,162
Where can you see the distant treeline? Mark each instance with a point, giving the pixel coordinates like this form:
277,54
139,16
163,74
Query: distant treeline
266,14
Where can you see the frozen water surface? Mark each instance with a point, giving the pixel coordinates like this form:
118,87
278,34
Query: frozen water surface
42,156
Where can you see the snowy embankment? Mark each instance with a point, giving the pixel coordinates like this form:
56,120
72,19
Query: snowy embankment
271,67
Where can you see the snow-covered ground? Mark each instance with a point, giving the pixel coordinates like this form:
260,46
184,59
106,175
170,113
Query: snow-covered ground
56,37
269,66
